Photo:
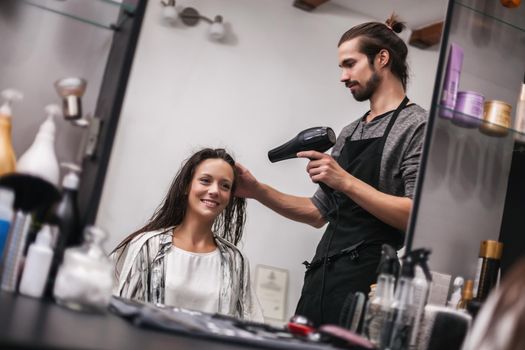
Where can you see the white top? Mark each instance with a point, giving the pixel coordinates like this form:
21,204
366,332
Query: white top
193,280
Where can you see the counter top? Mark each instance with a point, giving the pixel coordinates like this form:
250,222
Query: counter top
36,324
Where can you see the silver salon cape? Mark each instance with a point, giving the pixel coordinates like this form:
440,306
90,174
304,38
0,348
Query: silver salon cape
140,273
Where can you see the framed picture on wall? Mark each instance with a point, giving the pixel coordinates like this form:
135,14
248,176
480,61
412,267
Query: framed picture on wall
271,286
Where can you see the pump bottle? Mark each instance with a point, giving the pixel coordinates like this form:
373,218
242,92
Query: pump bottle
379,305
65,216
40,159
37,264
7,154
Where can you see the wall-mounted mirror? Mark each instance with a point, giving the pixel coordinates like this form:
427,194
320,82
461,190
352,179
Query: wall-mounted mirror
274,74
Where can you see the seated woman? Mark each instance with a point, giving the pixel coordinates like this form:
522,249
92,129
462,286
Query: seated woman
186,255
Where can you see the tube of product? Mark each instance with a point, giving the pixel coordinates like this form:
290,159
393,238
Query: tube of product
451,83
519,120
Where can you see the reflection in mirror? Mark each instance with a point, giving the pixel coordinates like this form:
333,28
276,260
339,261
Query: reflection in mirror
274,74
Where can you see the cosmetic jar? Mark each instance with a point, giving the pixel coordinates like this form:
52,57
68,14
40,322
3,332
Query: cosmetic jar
496,118
488,268
469,109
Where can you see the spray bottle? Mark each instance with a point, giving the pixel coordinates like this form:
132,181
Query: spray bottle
379,305
397,331
40,159
7,154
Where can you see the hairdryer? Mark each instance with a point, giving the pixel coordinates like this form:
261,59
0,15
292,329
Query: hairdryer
319,139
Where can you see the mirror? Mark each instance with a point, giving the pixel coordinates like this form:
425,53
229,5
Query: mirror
275,74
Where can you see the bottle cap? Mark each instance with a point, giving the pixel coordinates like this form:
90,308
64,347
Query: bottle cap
71,179
7,196
490,249
10,96
458,282
389,263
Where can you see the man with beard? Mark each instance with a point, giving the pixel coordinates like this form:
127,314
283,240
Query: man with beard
371,171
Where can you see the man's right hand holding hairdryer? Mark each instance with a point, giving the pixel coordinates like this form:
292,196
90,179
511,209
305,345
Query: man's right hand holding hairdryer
323,168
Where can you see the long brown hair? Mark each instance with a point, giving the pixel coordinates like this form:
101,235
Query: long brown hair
376,36
228,225
510,305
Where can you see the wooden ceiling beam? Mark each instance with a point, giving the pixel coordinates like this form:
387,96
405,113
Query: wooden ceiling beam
308,5
427,36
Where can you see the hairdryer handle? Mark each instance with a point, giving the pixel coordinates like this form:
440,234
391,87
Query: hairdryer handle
327,189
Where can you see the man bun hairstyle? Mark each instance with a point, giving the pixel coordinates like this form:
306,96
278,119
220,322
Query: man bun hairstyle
376,36
394,23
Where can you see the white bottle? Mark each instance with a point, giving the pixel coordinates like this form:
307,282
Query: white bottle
37,264
456,292
40,159
7,197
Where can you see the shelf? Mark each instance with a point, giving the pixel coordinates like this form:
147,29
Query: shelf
98,13
471,122
511,17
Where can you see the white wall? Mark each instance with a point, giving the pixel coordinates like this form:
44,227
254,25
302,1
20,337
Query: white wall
277,74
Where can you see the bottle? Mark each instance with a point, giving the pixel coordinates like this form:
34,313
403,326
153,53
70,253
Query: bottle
455,297
451,81
7,154
519,119
467,294
85,279
65,217
37,264
40,159
487,272
379,305
421,284
397,332
7,197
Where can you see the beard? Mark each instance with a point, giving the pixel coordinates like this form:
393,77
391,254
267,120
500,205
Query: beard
369,88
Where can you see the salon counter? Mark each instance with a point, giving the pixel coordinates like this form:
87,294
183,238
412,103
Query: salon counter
35,324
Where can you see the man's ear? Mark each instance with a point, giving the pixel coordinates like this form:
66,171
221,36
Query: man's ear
383,58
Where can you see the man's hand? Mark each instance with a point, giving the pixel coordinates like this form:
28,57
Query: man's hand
247,185
324,168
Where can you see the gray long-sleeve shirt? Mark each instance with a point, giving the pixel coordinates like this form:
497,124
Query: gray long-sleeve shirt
400,158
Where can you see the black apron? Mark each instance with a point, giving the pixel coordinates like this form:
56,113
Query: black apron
348,254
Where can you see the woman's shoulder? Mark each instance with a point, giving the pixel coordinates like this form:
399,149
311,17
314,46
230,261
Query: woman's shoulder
227,246
146,236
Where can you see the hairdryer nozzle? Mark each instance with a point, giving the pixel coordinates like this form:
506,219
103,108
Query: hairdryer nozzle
318,139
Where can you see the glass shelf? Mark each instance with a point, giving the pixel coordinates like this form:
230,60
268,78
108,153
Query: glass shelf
472,122
98,13
512,17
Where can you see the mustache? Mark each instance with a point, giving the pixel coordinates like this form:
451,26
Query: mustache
349,83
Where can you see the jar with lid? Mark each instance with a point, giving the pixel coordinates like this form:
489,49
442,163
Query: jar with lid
84,281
